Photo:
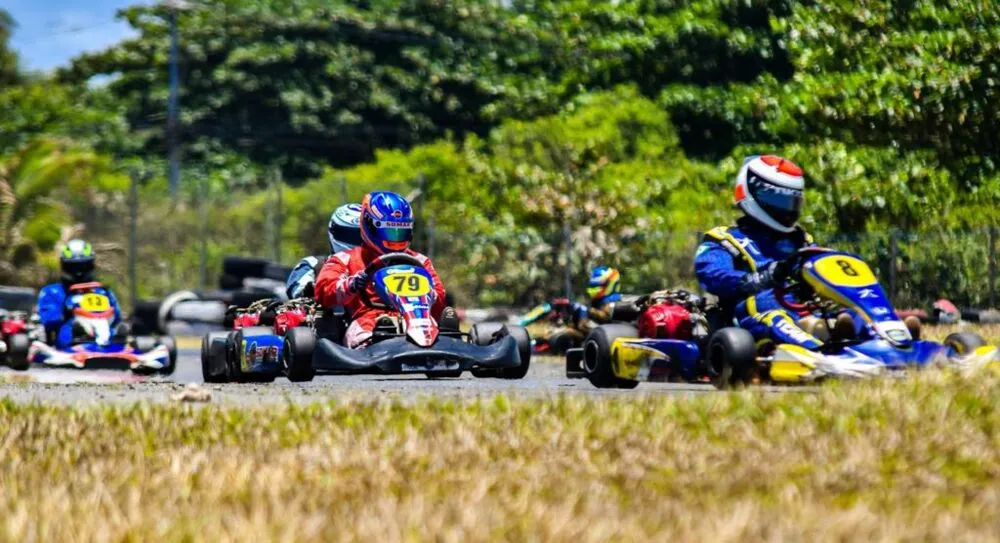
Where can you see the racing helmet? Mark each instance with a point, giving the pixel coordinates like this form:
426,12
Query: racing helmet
770,189
604,284
344,229
386,222
76,261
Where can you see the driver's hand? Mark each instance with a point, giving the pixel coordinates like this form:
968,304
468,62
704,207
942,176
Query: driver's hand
772,275
780,270
357,282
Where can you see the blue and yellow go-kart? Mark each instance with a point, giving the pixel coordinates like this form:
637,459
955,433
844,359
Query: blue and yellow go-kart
824,284
412,341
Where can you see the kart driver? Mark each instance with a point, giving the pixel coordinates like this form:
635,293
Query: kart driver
76,263
386,227
742,264
604,290
344,233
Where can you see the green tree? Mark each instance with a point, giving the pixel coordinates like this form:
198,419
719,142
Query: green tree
41,187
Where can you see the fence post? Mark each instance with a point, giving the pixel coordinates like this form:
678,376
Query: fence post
992,248
133,243
698,236
203,231
279,213
568,269
893,254
430,237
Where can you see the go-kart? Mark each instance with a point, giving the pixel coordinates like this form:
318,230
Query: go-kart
824,283
14,339
664,344
251,351
97,344
411,341
556,319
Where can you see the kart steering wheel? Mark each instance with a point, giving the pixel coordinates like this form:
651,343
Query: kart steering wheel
794,283
388,259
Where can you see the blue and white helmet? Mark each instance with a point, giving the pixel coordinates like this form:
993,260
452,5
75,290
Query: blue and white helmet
344,229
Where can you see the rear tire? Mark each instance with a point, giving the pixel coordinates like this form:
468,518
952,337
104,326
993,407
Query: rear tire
520,334
144,344
297,355
963,343
17,351
482,334
487,333
214,366
732,356
597,361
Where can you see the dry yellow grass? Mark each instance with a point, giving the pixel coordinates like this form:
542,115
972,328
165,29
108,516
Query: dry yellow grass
913,459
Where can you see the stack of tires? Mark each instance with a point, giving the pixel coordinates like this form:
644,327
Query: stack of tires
191,312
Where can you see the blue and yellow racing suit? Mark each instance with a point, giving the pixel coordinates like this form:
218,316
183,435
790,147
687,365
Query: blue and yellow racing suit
54,312
732,264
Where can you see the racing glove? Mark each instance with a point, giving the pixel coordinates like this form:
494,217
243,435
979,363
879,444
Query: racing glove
356,283
771,276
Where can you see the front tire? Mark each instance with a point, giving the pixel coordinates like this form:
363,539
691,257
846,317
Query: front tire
487,333
597,356
297,355
17,351
963,343
732,356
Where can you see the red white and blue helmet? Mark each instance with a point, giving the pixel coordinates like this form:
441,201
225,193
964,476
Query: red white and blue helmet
604,285
770,189
386,222
344,229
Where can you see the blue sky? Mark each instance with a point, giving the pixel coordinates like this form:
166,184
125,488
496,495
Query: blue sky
50,32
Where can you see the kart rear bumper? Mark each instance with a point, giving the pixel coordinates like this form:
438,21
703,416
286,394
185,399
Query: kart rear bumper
399,356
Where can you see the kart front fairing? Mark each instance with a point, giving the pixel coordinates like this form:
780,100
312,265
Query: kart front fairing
92,354
409,291
847,281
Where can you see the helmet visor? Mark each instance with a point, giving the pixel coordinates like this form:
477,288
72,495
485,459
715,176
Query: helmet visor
783,204
396,233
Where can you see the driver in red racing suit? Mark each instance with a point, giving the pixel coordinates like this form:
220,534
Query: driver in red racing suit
386,227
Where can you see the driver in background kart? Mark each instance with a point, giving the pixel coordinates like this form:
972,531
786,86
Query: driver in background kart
344,233
742,264
603,288
386,227
76,263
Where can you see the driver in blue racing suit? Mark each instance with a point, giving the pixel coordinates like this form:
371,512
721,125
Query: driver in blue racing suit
742,264
76,263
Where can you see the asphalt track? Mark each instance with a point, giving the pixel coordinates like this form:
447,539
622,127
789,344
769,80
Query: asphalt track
70,386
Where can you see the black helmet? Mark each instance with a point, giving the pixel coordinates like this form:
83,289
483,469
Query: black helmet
76,260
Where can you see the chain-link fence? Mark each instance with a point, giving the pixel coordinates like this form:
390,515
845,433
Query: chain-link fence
181,244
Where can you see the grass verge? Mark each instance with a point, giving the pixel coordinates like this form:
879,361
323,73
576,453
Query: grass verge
913,459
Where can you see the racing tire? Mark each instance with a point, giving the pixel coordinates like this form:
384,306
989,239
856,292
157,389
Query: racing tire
144,343
485,333
597,361
214,366
963,343
482,334
168,342
297,355
520,334
732,356
17,351
235,358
